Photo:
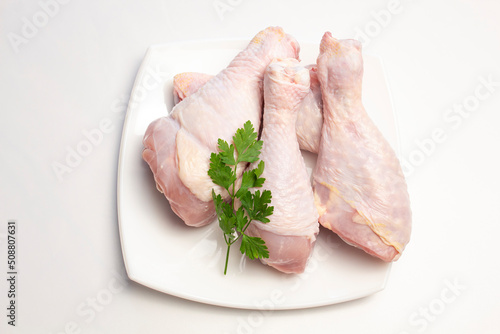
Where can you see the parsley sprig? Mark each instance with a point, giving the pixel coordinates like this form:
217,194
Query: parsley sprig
254,206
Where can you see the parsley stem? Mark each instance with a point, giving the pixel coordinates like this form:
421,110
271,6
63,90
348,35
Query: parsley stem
232,206
234,185
227,258
246,226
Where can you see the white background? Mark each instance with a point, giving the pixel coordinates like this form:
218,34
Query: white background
78,67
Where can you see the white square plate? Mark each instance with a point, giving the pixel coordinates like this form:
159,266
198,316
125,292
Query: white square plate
164,254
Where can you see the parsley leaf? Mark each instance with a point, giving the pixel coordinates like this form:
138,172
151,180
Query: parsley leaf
257,205
253,247
246,143
251,179
261,209
226,152
220,173
241,219
224,213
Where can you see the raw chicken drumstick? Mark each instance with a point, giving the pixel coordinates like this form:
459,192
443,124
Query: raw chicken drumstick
178,147
310,115
359,188
293,226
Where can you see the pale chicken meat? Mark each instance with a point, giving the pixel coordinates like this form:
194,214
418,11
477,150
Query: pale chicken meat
291,232
359,187
178,147
187,83
310,115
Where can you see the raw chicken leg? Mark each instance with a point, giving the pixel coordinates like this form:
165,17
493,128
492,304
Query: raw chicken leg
359,188
310,115
188,83
178,147
293,226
